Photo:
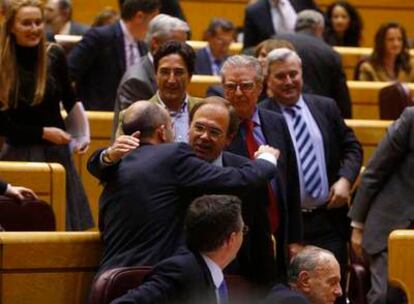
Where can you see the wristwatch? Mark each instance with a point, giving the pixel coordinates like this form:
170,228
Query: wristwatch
106,158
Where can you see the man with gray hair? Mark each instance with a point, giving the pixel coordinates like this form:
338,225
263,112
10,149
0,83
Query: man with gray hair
322,67
313,277
138,82
58,17
328,154
242,79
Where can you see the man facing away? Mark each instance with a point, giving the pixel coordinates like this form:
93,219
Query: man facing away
214,234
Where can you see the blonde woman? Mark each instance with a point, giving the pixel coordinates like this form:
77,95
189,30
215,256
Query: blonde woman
33,82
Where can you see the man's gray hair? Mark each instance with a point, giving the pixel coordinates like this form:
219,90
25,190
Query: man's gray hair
308,21
243,61
282,55
162,26
310,258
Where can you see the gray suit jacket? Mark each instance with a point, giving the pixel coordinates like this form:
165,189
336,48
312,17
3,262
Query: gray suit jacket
138,83
385,197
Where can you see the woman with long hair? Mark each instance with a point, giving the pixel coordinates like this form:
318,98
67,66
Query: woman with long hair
390,59
33,82
343,25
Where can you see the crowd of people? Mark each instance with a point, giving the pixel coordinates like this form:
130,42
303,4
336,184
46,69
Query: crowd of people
253,180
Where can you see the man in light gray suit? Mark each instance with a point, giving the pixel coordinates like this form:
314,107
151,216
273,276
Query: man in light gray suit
138,82
384,202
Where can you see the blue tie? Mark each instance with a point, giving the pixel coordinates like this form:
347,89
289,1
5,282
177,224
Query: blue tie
223,294
307,155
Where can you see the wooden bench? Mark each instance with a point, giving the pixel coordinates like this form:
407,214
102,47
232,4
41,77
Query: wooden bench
47,180
400,261
47,267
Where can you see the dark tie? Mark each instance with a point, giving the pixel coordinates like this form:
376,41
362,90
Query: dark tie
307,155
223,294
273,208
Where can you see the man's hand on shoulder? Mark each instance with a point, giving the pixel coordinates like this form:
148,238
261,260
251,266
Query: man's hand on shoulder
122,145
267,149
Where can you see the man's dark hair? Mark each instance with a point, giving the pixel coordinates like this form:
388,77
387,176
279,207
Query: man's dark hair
210,220
234,121
143,118
130,7
174,47
220,23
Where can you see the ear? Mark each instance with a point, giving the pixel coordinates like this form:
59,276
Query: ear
304,281
161,133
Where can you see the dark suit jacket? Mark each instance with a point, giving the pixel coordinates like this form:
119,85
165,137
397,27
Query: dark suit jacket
3,187
258,25
322,70
138,83
277,135
181,279
254,259
385,197
202,63
97,63
281,294
343,152
146,195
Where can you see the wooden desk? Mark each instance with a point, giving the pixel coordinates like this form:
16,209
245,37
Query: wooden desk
47,180
400,261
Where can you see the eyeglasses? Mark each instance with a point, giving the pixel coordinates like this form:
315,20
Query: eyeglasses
243,86
212,132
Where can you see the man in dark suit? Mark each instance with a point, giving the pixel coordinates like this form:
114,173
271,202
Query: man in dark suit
58,19
314,278
242,78
384,202
146,194
260,18
99,60
139,82
169,7
322,68
219,35
328,154
214,233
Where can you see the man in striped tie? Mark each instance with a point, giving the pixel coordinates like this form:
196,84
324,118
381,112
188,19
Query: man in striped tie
328,154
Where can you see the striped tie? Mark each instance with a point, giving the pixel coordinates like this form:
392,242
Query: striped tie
307,155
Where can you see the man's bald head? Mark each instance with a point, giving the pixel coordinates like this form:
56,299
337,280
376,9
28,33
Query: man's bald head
145,117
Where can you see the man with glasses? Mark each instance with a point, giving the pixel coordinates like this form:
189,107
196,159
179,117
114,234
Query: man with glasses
174,66
219,34
242,79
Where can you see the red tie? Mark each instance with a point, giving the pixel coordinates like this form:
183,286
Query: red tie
273,208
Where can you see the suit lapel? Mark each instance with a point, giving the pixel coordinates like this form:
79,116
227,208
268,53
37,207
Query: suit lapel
206,59
265,15
120,46
149,68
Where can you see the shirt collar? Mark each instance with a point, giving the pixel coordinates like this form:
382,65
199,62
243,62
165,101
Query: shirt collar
183,107
215,271
218,161
150,57
300,103
127,35
65,30
255,117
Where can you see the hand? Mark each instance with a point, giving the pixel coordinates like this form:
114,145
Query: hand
19,192
123,145
339,194
267,149
356,240
82,148
56,135
294,249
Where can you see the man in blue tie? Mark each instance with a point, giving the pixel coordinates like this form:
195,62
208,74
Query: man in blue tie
214,234
328,154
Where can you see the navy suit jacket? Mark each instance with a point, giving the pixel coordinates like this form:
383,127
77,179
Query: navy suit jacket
97,64
258,25
254,259
281,294
202,63
343,152
181,279
277,135
142,207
